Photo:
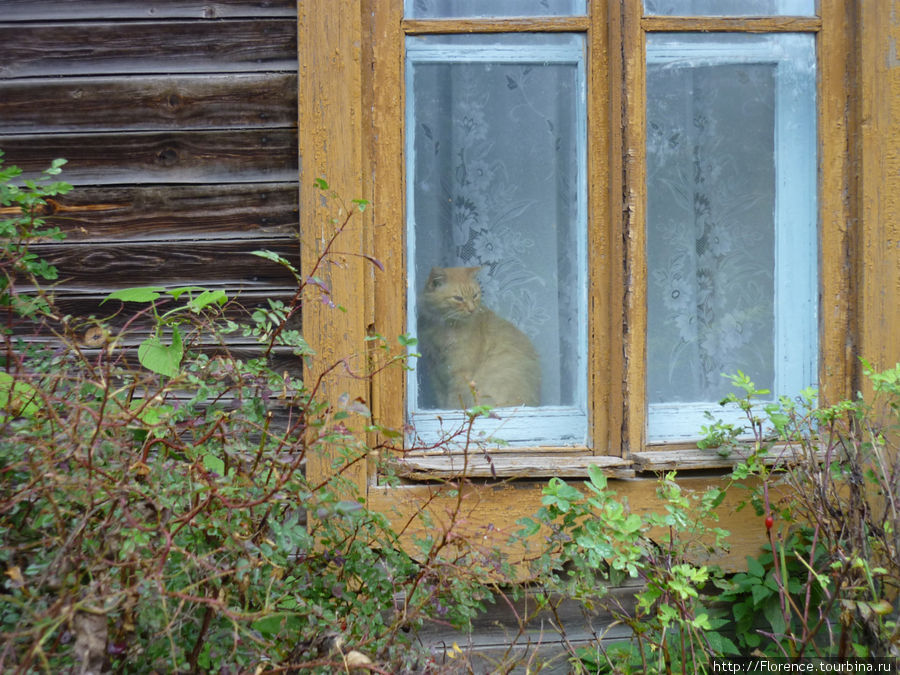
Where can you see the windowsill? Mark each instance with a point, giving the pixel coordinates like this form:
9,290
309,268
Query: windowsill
500,463
520,465
688,459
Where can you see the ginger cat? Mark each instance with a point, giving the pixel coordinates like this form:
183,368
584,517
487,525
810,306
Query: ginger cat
469,348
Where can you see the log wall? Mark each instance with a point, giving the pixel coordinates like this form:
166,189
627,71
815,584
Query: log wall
179,123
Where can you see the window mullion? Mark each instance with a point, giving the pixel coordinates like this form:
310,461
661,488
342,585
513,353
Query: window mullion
629,221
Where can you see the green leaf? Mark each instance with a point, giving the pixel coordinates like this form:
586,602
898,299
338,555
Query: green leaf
701,621
150,414
598,478
632,523
274,623
529,527
20,398
759,593
755,568
214,464
741,610
136,294
721,644
161,358
772,612
181,290
207,298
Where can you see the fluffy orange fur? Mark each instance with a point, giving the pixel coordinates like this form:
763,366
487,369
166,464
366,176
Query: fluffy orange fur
473,355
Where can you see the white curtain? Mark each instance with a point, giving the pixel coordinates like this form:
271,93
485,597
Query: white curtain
485,8
496,186
711,228
730,7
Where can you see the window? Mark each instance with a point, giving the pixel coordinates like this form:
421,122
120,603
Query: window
644,195
731,221
496,234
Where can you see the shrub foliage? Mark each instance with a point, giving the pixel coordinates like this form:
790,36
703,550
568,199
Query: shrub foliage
156,515
154,507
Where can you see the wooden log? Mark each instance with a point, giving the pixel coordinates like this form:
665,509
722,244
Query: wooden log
59,10
233,156
53,49
281,361
174,212
511,630
148,103
131,324
226,264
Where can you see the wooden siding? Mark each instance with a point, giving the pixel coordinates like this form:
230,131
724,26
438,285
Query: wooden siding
179,123
878,187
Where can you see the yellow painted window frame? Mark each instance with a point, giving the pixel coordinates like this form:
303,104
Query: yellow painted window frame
351,104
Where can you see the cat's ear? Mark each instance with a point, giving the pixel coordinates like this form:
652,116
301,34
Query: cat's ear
437,278
473,271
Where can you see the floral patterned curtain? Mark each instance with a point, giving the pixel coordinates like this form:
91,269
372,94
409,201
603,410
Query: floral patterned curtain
481,8
711,204
495,186
730,7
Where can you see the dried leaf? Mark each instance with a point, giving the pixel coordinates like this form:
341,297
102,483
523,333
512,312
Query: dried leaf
355,659
16,580
91,632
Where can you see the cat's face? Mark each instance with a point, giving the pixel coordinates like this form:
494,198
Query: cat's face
453,292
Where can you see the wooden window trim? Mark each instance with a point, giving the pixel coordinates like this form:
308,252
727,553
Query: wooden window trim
388,168
351,98
833,44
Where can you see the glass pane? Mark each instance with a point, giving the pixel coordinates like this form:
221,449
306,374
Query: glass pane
730,7
731,190
443,9
496,209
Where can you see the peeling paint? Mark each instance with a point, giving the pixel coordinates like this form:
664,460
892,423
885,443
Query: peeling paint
893,60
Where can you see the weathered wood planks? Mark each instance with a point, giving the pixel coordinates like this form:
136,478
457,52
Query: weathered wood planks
52,49
114,158
215,264
179,123
485,465
130,323
56,10
172,213
148,102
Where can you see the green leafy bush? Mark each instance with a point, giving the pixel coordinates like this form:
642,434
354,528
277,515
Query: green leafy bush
829,477
21,224
596,544
154,513
825,481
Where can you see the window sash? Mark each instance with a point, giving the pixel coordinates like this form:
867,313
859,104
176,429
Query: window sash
554,426
796,259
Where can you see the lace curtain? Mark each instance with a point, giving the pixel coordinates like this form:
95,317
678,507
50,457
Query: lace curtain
482,8
496,185
730,7
711,248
